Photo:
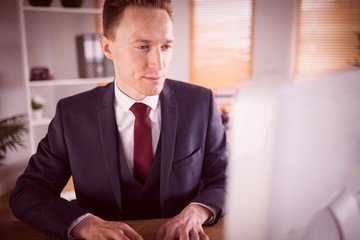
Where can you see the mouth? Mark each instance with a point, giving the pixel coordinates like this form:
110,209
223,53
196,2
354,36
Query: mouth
153,78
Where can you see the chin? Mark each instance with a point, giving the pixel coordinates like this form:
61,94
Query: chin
155,90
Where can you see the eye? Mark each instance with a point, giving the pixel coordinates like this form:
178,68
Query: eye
143,47
166,47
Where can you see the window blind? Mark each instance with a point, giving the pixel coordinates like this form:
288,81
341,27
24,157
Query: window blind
327,37
221,43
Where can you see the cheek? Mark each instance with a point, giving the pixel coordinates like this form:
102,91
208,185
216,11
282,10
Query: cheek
167,59
129,62
139,60
136,62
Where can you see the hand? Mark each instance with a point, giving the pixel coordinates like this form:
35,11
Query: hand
187,225
93,227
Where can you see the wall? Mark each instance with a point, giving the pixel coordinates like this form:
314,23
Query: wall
179,68
12,90
274,37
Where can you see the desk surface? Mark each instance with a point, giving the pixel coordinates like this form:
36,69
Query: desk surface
16,230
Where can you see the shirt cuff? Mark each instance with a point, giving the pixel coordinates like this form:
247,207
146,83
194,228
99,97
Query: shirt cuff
74,223
214,211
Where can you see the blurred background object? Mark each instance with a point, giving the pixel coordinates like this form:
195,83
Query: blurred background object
294,170
40,3
72,3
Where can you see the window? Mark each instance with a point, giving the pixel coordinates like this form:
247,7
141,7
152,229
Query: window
327,38
221,43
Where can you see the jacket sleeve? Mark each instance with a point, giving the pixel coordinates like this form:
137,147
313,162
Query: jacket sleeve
214,171
36,198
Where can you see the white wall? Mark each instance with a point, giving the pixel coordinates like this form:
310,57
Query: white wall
179,68
12,90
274,37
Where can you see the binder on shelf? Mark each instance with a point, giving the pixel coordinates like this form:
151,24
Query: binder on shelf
86,55
92,63
98,55
108,68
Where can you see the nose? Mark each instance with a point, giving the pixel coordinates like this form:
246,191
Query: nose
156,59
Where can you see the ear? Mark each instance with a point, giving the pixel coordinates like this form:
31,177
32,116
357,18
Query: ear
106,47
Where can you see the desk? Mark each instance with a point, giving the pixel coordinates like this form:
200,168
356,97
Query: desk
16,230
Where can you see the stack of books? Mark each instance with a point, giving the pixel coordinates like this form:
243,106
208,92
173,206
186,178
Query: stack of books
92,63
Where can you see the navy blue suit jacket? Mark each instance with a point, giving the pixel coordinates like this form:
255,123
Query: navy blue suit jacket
83,141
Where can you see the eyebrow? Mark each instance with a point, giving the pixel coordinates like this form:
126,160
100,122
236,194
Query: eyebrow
148,41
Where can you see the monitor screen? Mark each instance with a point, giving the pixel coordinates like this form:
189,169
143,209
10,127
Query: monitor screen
294,171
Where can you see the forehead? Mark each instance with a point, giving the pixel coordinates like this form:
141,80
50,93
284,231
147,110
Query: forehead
147,23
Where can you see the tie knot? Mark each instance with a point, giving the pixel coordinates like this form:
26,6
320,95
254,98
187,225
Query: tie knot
140,110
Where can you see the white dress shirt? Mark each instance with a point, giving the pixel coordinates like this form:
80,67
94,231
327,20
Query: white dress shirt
125,123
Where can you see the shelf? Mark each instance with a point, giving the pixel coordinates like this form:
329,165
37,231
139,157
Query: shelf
67,82
64,10
48,39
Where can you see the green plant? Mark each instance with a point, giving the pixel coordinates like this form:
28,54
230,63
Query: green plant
12,130
36,105
37,102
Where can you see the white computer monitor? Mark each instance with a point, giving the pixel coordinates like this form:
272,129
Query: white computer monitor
294,171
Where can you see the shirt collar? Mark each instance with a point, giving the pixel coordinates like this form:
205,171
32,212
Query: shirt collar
126,102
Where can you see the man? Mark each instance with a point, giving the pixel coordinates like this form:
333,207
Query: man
93,138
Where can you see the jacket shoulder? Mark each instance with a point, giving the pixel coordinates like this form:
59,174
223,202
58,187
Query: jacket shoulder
186,88
92,96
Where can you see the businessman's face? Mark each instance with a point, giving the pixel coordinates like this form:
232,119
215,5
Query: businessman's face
141,51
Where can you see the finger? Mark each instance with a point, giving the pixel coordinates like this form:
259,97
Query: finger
133,235
183,234
130,233
203,236
170,233
122,237
114,234
194,235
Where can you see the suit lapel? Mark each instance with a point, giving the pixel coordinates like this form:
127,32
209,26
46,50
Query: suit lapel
168,135
110,141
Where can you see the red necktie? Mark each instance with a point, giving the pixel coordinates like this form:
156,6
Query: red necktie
142,141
